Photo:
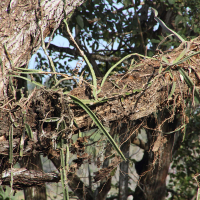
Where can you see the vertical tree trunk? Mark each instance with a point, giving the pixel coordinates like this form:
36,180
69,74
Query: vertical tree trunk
38,192
105,185
155,163
123,177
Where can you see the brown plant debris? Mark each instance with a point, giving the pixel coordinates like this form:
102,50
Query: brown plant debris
146,88
106,172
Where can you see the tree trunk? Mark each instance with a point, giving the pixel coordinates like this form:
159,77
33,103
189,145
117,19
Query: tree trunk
36,192
105,184
124,166
20,35
154,166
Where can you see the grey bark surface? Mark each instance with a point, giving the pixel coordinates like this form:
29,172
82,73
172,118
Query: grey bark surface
124,166
154,166
33,162
20,33
20,38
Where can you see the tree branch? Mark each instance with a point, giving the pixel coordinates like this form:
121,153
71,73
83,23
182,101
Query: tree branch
27,178
77,53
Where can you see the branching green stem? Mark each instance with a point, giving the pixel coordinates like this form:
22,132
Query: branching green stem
94,79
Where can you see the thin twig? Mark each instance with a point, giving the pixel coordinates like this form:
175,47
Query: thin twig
163,41
141,34
94,79
49,58
55,28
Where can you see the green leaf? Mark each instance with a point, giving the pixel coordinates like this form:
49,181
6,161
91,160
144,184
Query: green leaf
165,28
113,172
178,129
94,79
64,176
160,69
190,84
95,46
198,194
98,123
172,90
22,143
181,55
187,57
171,1
165,59
178,19
155,41
27,79
11,144
137,90
29,131
52,119
28,70
126,3
80,21
112,68
106,35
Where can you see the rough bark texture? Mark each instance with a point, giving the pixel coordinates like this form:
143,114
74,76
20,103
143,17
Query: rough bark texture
154,166
20,38
20,33
27,178
124,166
105,184
33,162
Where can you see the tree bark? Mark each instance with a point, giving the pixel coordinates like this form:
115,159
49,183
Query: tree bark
20,35
105,184
36,192
154,166
124,166
20,38
23,178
